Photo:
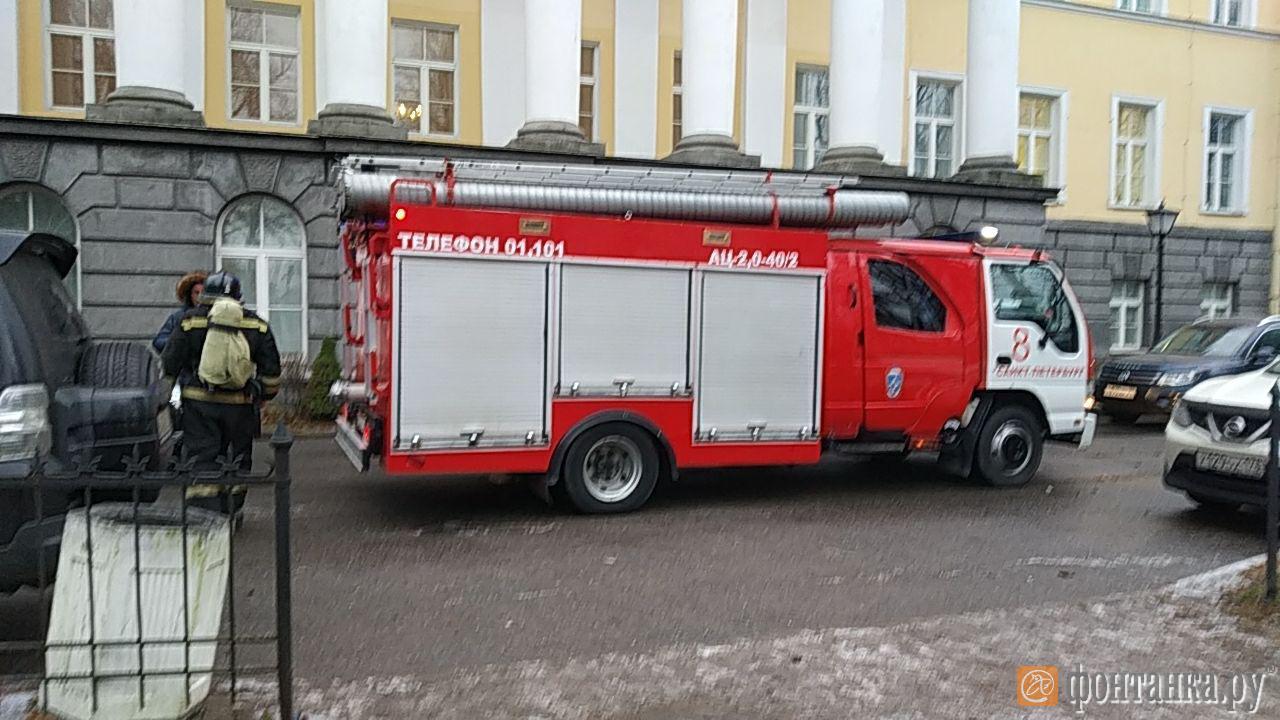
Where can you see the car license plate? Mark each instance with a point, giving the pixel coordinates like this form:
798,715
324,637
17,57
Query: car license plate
1231,465
1120,392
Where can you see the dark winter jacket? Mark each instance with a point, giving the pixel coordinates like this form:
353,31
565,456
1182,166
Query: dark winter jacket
182,358
162,336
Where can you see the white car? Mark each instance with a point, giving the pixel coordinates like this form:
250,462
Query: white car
1217,440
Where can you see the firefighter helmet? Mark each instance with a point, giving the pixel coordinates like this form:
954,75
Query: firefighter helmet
221,284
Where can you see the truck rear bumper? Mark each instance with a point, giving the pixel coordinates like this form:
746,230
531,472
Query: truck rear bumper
352,444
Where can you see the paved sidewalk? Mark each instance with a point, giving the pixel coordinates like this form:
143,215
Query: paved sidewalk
960,666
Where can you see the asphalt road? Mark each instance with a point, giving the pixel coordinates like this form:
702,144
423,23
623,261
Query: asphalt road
403,577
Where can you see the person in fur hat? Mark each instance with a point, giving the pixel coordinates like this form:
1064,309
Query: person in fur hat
189,289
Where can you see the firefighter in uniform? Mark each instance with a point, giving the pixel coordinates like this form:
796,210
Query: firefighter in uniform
218,418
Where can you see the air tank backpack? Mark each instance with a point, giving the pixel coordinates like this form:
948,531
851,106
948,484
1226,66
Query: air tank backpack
225,362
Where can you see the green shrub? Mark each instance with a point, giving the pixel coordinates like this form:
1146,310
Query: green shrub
324,371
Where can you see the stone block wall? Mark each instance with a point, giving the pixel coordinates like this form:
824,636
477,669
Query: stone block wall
148,212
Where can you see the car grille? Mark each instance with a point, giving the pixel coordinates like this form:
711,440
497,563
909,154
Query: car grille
1215,418
1136,374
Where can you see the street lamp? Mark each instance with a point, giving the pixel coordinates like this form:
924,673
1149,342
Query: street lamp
1160,222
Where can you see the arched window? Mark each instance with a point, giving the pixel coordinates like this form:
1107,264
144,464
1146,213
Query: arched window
262,241
31,208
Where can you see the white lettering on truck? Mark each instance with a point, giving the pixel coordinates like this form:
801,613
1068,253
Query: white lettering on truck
480,245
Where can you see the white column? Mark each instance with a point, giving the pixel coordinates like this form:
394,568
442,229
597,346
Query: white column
501,85
764,92
635,101
991,102
9,57
150,36
552,50
857,60
353,36
893,81
709,66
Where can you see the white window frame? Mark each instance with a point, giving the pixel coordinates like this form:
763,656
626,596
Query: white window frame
1244,143
811,113
957,79
424,68
30,189
1213,307
592,80
264,51
88,72
1058,141
1158,7
1248,14
1128,305
677,91
261,255
1155,156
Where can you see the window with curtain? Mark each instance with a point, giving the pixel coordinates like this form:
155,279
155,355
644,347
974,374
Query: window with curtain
265,72
588,99
934,140
1142,6
425,77
1217,300
1132,140
811,113
262,241
1229,12
1224,140
81,54
1038,136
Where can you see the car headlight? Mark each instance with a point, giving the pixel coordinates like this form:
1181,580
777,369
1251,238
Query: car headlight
1178,379
1181,416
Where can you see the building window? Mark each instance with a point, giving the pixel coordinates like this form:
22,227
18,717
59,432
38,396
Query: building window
1217,300
265,70
677,100
1039,130
812,114
31,208
1141,6
81,52
1133,146
262,241
588,96
1232,13
1223,162
934,142
425,57
1128,306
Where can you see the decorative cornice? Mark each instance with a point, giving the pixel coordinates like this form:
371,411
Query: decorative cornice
1181,24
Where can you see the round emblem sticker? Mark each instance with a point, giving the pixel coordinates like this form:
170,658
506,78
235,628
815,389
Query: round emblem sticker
893,382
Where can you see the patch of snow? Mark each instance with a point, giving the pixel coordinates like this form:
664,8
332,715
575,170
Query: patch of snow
1211,584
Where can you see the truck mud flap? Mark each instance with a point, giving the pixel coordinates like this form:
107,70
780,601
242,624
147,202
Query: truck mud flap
352,444
956,456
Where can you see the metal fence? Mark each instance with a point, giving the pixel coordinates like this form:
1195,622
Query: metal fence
259,647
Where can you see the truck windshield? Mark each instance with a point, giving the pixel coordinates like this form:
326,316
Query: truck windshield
1032,293
1204,340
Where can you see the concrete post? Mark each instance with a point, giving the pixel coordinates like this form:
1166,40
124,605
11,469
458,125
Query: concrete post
991,103
857,75
353,39
552,50
150,72
709,61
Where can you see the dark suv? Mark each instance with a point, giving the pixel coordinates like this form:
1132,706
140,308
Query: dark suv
1128,386
63,399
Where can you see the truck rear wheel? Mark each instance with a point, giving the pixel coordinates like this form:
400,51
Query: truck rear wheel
1010,447
610,468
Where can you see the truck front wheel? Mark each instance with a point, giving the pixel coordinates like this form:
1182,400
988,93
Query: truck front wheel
1010,446
611,468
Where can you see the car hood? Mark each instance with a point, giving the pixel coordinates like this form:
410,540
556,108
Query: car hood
1169,362
1247,390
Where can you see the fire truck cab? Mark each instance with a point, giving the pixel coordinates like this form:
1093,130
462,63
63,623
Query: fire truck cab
602,329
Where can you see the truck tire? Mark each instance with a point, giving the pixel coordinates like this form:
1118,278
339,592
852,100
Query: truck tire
118,364
1010,446
610,468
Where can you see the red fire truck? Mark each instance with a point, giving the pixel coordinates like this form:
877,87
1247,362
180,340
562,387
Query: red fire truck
602,327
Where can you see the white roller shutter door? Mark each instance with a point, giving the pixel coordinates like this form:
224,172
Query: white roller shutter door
623,325
472,351
758,373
